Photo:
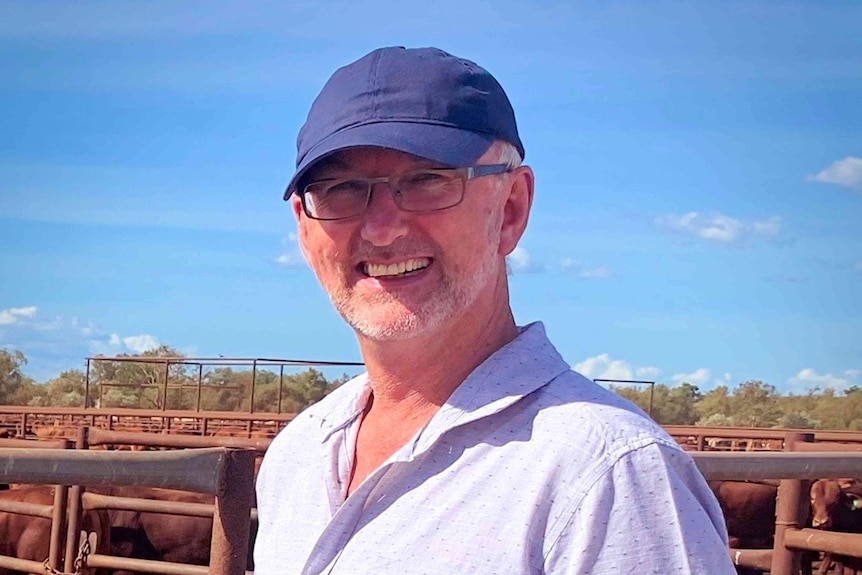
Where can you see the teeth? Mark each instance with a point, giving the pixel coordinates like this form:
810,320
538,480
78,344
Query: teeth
382,270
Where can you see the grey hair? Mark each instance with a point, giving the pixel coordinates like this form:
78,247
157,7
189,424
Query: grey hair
508,154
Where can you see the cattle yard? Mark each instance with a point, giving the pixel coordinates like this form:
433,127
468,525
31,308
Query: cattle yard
85,453
49,423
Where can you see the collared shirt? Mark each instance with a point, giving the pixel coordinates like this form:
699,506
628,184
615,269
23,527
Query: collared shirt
528,468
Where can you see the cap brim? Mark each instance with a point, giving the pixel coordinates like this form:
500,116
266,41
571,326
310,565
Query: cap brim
444,145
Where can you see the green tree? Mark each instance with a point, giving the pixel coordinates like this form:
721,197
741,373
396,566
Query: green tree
636,395
65,390
129,383
798,410
14,385
676,405
755,404
836,411
306,387
714,408
223,389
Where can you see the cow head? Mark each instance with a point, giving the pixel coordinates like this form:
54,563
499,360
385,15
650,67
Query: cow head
829,497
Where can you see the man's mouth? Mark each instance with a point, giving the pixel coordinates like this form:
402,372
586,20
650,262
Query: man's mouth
395,269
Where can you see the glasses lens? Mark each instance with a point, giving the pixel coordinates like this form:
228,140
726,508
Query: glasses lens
428,190
334,200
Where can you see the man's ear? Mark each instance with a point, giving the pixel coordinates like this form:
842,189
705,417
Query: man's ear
296,206
516,210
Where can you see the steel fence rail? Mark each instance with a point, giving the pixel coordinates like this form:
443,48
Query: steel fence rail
225,473
755,466
189,469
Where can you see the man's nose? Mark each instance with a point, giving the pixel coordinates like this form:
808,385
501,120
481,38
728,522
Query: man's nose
383,221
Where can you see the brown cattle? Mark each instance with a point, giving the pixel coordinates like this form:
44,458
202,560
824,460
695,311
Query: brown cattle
28,537
749,511
836,505
160,536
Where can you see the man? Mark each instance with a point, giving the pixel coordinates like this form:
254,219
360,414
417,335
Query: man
469,446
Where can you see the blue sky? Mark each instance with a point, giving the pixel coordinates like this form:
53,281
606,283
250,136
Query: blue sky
699,178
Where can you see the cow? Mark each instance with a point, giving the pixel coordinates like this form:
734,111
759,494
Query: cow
749,511
159,536
28,537
836,505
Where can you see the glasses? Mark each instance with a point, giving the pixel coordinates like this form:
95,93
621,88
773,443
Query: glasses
421,190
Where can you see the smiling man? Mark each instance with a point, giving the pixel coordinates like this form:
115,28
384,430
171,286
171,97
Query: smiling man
469,445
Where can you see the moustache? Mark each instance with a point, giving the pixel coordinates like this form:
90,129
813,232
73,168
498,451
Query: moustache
400,248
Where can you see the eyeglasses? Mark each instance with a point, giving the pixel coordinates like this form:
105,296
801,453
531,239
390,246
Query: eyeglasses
420,190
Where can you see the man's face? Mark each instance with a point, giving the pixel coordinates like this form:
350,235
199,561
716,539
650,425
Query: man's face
393,274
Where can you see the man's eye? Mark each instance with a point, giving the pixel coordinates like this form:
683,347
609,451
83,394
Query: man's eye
423,179
348,187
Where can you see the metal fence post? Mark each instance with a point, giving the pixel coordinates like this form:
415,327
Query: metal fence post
58,516
75,510
232,517
791,512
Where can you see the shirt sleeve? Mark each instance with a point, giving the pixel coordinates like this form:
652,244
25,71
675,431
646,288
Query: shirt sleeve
651,512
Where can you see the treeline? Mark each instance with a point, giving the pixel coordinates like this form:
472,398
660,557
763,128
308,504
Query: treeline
141,384
751,404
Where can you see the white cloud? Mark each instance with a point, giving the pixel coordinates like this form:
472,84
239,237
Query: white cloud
140,343
718,227
572,265
699,377
603,366
116,344
648,373
59,343
768,227
290,259
596,273
521,262
14,314
846,173
291,255
808,378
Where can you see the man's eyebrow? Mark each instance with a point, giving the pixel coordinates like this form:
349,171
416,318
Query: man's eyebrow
336,163
323,167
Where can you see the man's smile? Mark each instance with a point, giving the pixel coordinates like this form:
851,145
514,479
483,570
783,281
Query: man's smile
394,269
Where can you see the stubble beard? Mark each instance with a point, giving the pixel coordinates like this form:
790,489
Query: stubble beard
384,317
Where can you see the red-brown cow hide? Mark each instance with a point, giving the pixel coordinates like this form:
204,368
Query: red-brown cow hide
28,537
836,505
749,511
159,536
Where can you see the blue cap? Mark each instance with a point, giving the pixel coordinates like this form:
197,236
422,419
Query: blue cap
421,101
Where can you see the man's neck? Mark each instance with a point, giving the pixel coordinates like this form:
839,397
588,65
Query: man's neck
412,378
422,372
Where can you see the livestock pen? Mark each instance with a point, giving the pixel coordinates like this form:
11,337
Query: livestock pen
225,473
794,467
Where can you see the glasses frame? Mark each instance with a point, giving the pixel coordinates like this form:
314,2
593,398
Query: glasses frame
467,173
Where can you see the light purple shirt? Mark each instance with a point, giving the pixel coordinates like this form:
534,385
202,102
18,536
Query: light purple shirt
529,467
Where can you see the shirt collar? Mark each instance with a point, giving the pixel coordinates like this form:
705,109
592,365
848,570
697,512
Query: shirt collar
517,369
